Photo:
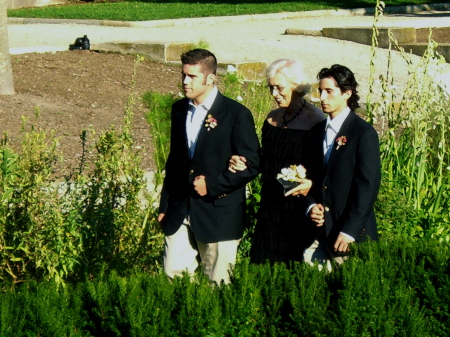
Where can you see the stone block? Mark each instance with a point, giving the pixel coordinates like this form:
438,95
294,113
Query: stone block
161,52
307,32
439,34
419,49
170,53
363,35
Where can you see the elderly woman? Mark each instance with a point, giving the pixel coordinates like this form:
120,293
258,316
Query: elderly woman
278,231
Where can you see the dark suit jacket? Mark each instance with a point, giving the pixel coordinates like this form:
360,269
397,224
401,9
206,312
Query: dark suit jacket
219,215
348,185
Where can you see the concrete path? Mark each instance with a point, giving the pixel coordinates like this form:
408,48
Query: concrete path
243,38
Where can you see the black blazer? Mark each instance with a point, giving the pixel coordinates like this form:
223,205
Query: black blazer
219,215
348,185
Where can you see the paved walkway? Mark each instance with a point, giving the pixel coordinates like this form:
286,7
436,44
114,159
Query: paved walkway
242,38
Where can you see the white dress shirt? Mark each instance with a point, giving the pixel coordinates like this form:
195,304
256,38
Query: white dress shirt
195,119
331,131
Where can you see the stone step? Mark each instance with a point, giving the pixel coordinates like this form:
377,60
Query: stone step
414,40
160,52
363,35
419,49
439,34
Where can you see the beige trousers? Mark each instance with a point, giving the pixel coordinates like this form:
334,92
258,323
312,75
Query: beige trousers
319,252
184,253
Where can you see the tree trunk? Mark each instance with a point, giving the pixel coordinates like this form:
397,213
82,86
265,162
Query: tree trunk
6,77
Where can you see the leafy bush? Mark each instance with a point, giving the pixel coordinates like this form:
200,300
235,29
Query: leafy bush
65,228
35,236
396,216
398,288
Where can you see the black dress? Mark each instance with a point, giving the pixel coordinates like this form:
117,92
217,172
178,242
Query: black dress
278,230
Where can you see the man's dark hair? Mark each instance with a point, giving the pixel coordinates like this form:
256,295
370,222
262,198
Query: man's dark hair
203,57
345,80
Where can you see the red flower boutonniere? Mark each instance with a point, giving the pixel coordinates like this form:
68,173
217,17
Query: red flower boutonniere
210,122
341,141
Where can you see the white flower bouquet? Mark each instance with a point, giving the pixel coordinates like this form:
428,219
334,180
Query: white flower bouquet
292,176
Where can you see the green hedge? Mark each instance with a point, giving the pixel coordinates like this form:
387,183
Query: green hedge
384,289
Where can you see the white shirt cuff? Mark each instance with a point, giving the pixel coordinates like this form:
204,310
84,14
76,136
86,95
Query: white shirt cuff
348,236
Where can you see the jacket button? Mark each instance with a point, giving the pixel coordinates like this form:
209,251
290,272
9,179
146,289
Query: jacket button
325,187
191,172
327,209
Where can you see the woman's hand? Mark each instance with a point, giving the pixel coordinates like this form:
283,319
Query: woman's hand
302,189
237,163
317,214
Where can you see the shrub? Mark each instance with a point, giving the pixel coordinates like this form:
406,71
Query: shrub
397,288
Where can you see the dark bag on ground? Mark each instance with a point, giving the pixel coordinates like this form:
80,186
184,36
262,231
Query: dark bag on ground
81,43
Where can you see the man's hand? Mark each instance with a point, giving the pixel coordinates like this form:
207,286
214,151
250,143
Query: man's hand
342,244
200,185
302,189
237,163
316,213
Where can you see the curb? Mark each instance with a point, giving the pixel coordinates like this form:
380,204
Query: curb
413,9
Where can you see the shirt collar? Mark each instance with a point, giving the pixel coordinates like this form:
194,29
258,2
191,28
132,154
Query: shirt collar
207,104
336,122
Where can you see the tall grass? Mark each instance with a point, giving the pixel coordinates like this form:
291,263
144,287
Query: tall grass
414,140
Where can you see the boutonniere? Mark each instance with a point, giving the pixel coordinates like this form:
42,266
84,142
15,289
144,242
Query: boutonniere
341,141
210,122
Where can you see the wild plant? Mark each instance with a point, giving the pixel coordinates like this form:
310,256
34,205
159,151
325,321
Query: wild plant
100,217
253,94
414,138
115,205
36,240
158,116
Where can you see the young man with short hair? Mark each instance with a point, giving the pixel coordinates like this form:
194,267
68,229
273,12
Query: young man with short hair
202,204
345,169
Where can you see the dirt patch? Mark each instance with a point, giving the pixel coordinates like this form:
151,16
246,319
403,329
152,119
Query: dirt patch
74,90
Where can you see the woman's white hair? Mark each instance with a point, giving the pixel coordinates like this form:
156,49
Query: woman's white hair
292,69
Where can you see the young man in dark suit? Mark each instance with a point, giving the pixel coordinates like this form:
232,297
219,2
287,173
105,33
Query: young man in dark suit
202,203
345,169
